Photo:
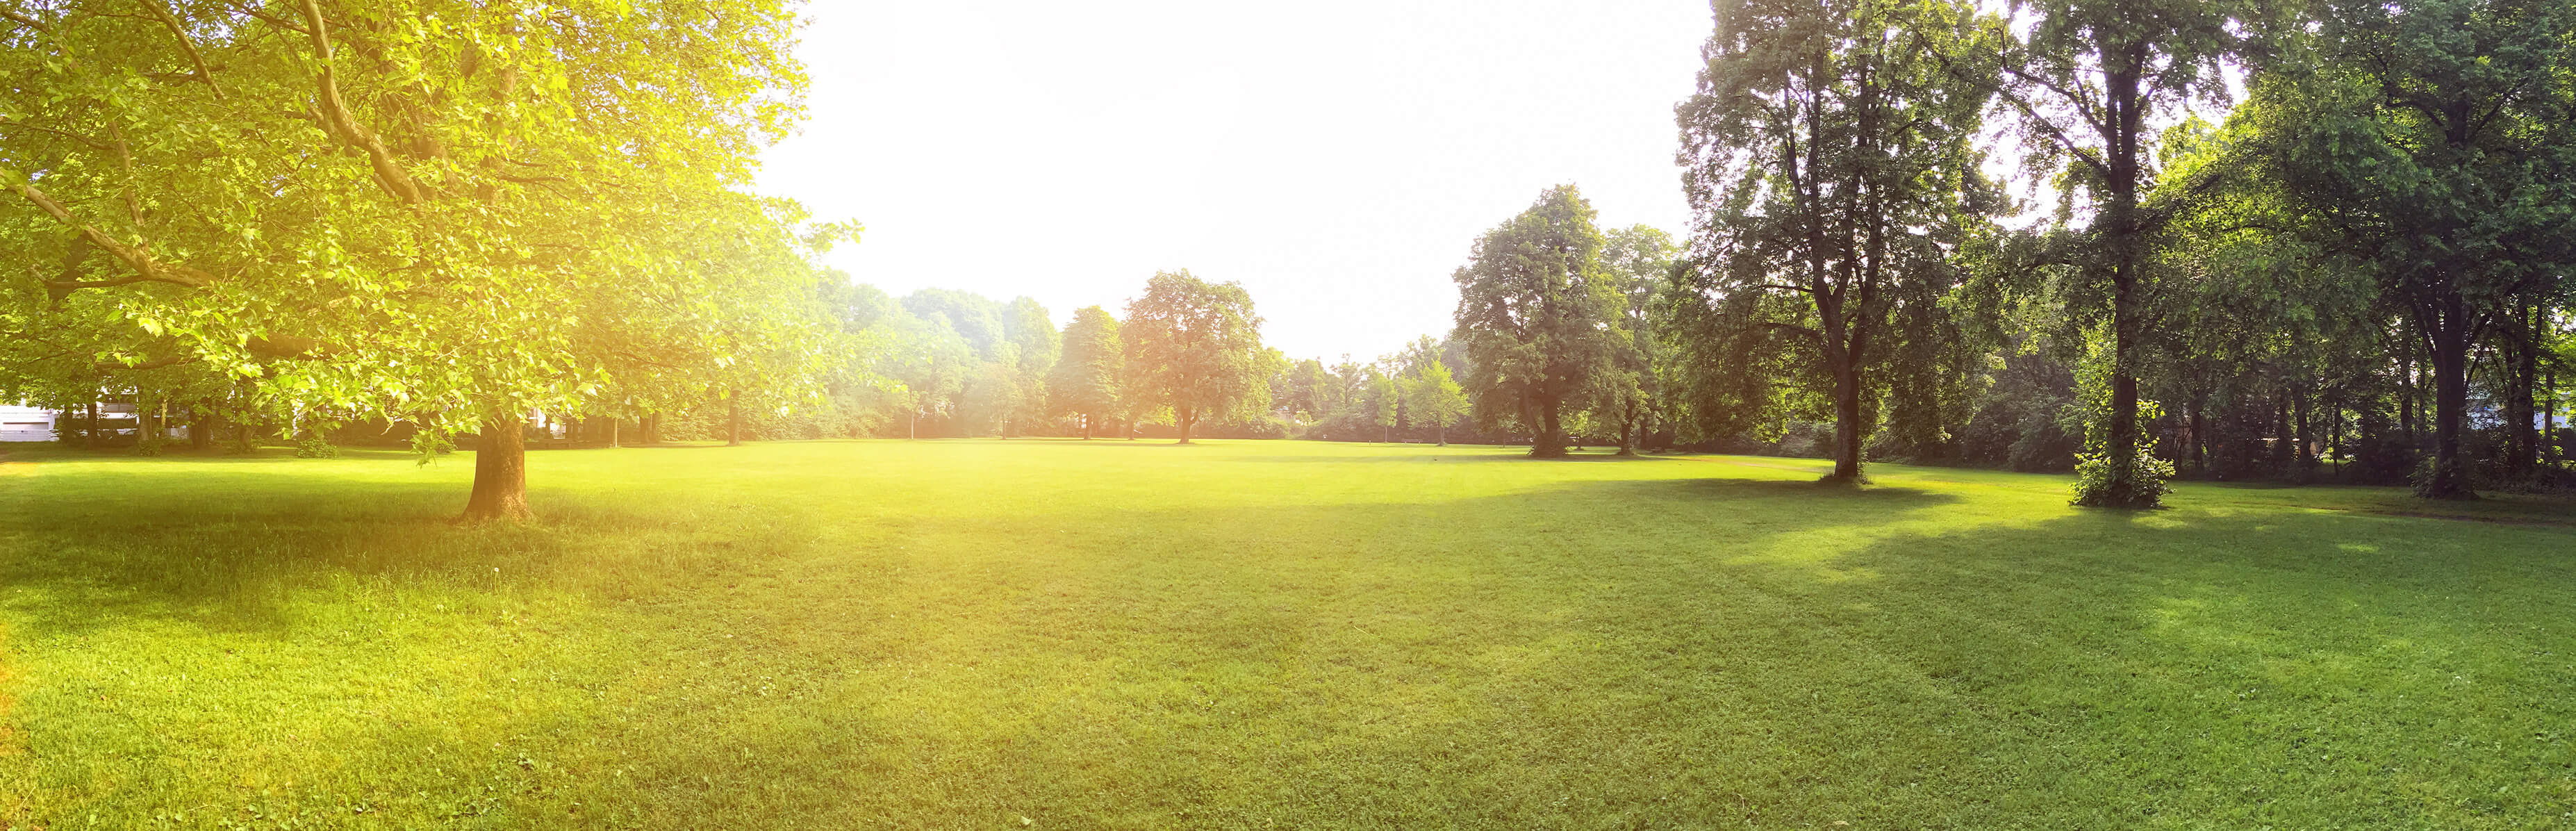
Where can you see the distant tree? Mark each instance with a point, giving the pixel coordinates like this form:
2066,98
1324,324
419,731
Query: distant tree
1298,388
1388,392
1085,383
1036,346
1436,398
929,363
1195,348
1540,318
1640,258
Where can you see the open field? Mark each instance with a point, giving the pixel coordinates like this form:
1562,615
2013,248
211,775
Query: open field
1060,634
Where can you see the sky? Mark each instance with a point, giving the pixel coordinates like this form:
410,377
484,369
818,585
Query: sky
1337,158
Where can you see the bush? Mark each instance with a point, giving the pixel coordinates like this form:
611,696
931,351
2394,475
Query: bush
313,446
2101,480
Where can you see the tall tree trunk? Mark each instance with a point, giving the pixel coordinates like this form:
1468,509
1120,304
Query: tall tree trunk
500,472
1086,427
1440,434
2124,127
2447,347
91,436
201,425
615,427
1186,419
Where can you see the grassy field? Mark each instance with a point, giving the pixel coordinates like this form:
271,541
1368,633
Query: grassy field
1061,634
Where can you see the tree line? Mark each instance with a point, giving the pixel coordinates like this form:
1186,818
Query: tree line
2359,271
1922,230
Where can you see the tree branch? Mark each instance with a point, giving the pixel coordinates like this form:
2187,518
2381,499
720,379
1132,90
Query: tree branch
389,173
172,23
26,21
145,268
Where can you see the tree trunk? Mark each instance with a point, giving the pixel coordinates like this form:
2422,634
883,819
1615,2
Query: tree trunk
2199,443
733,421
1086,427
201,426
500,472
1440,433
2406,385
1550,442
2448,349
2522,378
2549,419
90,437
616,426
1186,419
1846,423
2305,458
2122,133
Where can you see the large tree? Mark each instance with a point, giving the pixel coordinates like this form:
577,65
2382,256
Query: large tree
1540,318
390,208
1195,348
1085,381
1831,156
2085,81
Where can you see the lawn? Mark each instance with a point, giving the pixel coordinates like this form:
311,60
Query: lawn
1061,634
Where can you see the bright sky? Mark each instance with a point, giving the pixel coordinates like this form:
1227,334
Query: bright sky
1337,157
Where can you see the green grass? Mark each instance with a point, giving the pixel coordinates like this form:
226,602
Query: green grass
1262,634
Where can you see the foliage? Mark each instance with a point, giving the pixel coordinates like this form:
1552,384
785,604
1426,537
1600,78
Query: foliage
1831,155
411,211
1085,382
1435,398
1539,317
2100,481
1195,350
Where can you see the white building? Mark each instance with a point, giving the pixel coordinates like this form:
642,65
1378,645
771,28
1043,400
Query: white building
25,423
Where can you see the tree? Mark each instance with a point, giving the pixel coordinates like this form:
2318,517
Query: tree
2434,137
354,211
1434,395
1196,349
1388,391
2084,81
1085,382
1831,156
1640,259
1540,318
1036,346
